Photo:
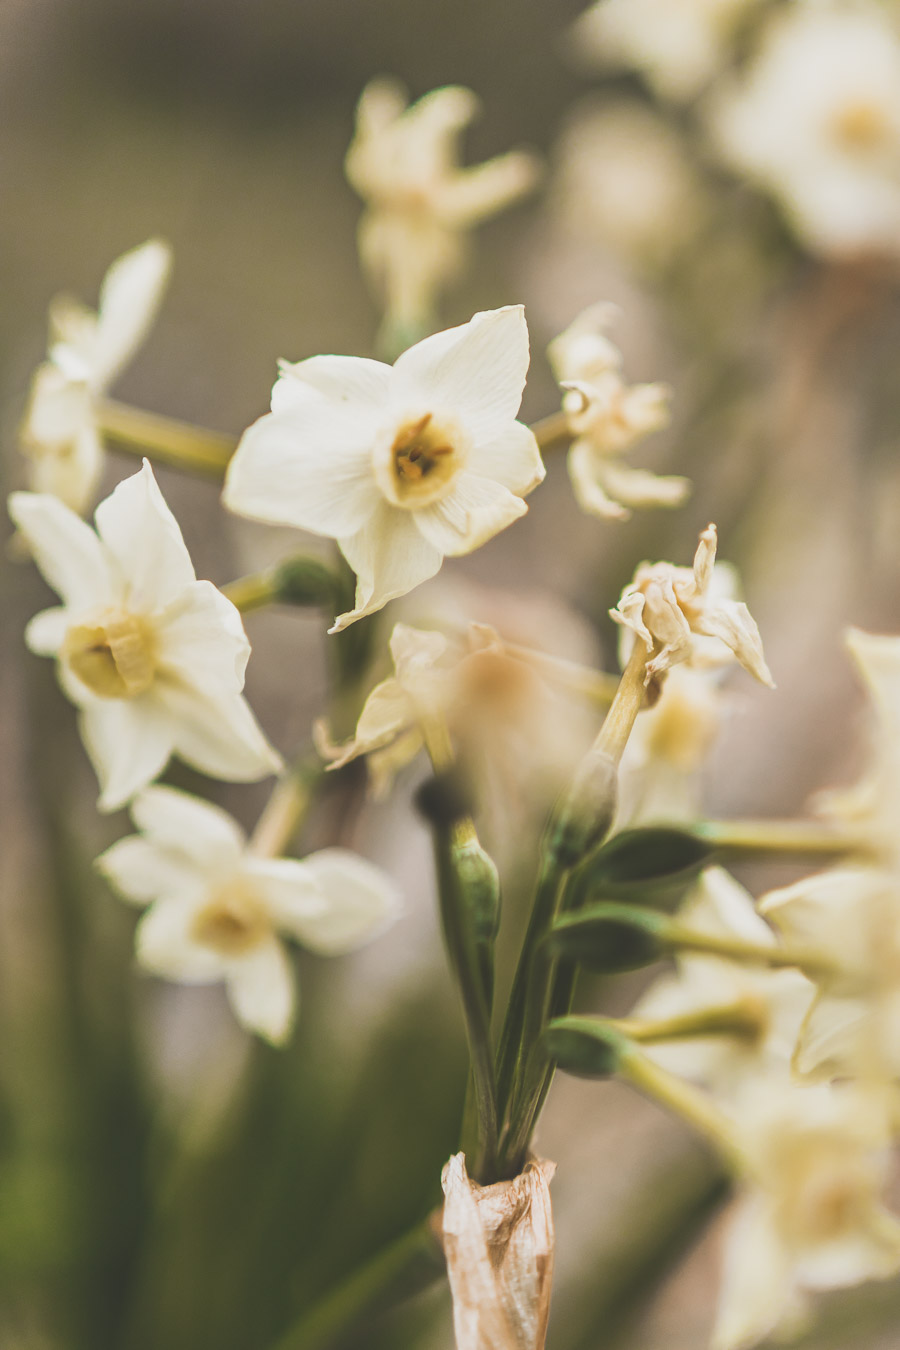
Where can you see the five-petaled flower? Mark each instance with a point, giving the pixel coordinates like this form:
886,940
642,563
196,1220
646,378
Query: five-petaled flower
153,658
87,351
217,910
401,464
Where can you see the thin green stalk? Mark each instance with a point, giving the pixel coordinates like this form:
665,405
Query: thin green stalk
780,838
165,439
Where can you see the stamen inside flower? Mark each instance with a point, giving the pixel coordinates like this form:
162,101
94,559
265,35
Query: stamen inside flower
114,656
860,125
232,923
421,459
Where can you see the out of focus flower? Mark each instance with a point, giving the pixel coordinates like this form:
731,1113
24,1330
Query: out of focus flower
218,912
87,351
606,416
624,180
811,1216
677,47
766,1007
816,122
669,608
402,465
420,204
153,658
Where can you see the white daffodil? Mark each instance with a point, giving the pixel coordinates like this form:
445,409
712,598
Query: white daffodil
816,122
403,162
765,1007
811,1216
87,351
669,608
677,47
606,416
153,658
401,464
218,912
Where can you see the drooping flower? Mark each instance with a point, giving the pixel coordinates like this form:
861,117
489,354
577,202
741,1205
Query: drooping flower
816,123
402,464
217,911
607,417
420,203
153,658
677,48
87,351
811,1216
673,610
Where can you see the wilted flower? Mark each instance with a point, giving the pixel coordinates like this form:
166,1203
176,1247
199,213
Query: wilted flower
669,608
402,465
87,351
816,123
218,912
607,417
403,162
676,47
153,658
811,1217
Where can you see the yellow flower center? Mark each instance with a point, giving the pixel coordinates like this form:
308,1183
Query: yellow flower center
415,463
233,922
113,656
860,125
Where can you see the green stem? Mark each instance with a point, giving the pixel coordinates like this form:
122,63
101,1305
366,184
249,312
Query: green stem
779,837
163,438
409,1265
552,429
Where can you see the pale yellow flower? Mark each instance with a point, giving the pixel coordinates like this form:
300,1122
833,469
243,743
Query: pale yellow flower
87,351
420,203
217,911
402,464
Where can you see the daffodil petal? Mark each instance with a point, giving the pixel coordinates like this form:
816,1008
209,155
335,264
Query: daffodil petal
129,299
141,872
165,945
355,384
129,743
46,632
66,550
390,557
217,733
475,510
184,824
144,538
262,991
510,456
201,640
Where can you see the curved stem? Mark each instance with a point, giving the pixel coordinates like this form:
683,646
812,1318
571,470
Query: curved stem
164,438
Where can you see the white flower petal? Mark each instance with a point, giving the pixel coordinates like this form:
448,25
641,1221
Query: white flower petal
388,711
144,538
757,1290
140,872
473,512
361,901
66,550
308,465
46,632
181,823
732,622
390,557
639,488
483,190
590,496
129,299
129,742
217,733
165,945
201,640
262,991
477,370
510,456
357,385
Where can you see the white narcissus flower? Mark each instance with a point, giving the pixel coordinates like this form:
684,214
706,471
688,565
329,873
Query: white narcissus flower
218,912
402,464
403,162
811,1216
153,658
87,351
816,122
606,416
673,609
767,1005
677,45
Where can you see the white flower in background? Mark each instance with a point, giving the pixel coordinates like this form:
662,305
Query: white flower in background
401,464
673,609
153,658
816,122
677,45
606,416
811,1215
625,180
218,912
87,351
403,162
767,1006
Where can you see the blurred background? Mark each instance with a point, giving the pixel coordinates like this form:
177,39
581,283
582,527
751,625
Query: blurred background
162,1182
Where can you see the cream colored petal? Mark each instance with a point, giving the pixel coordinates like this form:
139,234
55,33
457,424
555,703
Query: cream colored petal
414,649
354,386
638,488
386,714
473,512
141,872
145,541
308,465
476,371
390,557
757,1291
629,612
474,194
165,945
46,632
870,1252
71,472
385,763
129,743
837,1038
181,823
585,473
877,659
361,901
511,457
200,640
217,733
66,550
262,991
732,622
129,300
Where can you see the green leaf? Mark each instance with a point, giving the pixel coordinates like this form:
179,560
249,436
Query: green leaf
609,937
657,863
